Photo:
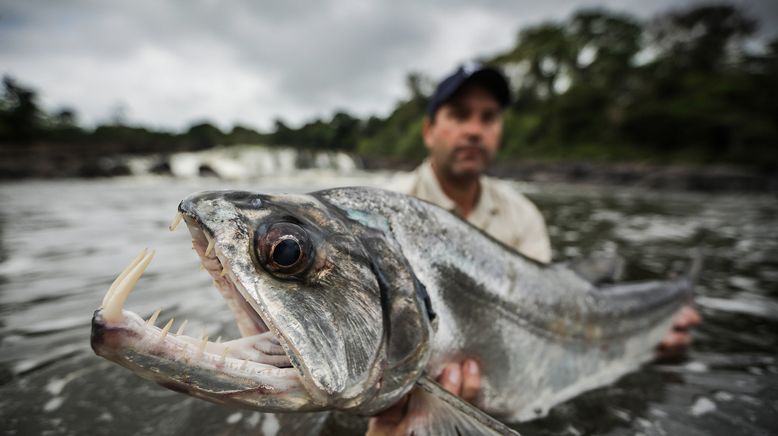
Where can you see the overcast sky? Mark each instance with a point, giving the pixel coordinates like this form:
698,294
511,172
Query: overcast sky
169,63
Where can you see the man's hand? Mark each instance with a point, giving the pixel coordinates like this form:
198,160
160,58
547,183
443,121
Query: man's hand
463,380
677,341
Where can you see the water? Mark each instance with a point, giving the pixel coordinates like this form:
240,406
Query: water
62,243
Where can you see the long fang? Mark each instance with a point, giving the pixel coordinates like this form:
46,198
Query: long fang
176,221
112,309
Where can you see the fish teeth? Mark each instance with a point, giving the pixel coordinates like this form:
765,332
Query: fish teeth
210,246
122,275
201,346
153,318
114,302
181,329
167,327
176,221
224,354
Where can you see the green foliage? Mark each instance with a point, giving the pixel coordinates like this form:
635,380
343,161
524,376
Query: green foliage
399,135
340,133
244,135
20,117
204,135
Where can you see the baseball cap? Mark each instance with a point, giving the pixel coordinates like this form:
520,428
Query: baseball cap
472,72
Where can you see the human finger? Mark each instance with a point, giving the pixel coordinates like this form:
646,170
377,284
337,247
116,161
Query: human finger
471,380
687,317
674,344
451,378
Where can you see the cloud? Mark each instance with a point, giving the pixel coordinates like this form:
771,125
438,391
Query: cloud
170,63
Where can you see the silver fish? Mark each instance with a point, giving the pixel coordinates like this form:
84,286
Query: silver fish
346,298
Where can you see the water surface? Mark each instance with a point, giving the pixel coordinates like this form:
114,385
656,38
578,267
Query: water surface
63,242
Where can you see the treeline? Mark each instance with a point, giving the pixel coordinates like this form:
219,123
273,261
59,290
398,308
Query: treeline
688,85
23,121
681,87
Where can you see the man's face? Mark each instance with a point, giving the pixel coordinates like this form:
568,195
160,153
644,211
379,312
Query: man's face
465,133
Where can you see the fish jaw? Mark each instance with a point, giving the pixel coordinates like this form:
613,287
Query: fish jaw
205,370
223,225
224,372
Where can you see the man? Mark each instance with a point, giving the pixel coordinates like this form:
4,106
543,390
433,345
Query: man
462,132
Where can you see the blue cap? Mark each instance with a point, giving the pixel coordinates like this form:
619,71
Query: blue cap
488,77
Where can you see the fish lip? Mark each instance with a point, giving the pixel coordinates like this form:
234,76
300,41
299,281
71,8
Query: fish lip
130,341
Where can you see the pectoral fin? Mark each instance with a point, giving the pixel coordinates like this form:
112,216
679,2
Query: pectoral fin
434,411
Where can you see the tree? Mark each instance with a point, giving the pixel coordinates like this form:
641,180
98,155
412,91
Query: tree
345,131
703,38
204,135
20,116
547,53
605,44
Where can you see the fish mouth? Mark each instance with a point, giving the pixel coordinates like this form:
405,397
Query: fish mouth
255,370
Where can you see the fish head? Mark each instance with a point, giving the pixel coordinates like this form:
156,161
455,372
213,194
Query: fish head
337,294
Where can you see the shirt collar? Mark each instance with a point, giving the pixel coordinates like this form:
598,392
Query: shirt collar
488,205
429,188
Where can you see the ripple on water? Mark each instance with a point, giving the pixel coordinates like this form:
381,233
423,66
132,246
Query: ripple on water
62,244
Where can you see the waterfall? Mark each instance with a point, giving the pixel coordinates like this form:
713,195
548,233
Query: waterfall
244,162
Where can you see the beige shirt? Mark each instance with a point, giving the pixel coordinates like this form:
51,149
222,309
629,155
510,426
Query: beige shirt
502,212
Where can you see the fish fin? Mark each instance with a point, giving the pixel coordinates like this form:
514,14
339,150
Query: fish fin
599,269
696,265
434,411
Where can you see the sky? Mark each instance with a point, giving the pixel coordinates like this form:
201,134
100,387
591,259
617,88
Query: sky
167,64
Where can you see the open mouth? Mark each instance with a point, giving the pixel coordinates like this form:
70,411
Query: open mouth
254,368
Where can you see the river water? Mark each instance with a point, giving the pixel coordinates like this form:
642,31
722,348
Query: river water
63,242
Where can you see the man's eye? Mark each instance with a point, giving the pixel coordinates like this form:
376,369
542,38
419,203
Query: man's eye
460,114
489,117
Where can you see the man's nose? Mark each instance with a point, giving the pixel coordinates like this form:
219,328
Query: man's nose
473,126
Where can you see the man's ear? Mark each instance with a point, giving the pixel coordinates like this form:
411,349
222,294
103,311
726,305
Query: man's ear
426,130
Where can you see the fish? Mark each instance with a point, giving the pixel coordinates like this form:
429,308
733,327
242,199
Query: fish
348,299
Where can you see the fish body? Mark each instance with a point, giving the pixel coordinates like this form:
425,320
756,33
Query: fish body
364,291
541,333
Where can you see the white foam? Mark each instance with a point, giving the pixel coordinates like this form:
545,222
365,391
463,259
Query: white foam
702,406
234,418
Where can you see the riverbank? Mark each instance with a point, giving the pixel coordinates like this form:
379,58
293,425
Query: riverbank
42,161
678,177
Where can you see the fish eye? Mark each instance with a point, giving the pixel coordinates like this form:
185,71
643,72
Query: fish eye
286,252
283,249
